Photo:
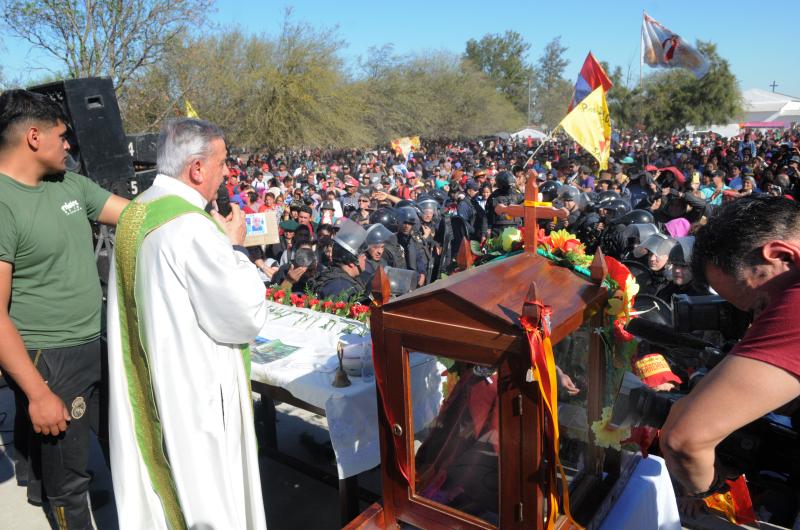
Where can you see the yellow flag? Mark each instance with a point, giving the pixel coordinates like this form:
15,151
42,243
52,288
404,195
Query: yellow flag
190,112
405,144
590,125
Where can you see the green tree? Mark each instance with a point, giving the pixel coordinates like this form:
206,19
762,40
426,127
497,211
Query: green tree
552,91
551,65
103,37
502,59
674,99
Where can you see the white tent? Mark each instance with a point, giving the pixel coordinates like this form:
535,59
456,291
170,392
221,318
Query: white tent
529,133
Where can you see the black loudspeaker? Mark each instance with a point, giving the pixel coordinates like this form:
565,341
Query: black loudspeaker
98,146
143,148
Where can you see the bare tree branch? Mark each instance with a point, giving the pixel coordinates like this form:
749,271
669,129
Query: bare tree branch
116,38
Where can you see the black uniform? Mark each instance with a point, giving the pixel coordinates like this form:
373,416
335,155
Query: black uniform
467,211
333,282
508,197
394,254
414,252
612,242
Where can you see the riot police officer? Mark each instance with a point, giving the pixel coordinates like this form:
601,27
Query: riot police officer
505,195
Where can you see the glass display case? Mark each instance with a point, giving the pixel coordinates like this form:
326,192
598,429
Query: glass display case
479,463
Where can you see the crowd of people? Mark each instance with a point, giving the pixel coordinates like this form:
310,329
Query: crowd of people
186,293
417,209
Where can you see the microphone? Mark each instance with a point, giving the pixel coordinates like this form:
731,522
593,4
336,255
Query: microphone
223,201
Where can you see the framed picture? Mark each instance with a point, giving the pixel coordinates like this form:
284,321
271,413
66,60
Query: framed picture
262,229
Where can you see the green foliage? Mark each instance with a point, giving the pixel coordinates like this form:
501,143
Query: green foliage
291,90
552,91
502,59
551,65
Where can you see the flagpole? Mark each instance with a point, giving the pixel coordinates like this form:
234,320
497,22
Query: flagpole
641,50
549,137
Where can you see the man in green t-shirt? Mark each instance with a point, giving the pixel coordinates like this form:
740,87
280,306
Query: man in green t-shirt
50,301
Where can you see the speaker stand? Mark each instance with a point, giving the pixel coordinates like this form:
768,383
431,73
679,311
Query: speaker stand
105,243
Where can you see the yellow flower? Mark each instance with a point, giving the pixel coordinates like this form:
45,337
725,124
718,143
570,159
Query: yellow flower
510,236
607,436
565,242
631,287
615,307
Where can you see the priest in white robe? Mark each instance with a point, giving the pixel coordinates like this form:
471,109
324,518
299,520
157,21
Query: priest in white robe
184,300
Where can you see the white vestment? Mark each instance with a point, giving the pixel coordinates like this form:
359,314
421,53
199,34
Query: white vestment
197,300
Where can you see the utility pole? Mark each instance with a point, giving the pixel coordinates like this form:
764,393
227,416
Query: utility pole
530,101
773,85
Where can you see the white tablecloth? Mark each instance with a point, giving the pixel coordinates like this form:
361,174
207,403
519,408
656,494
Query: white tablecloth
647,501
352,412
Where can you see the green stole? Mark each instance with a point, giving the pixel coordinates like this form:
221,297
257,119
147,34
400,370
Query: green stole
136,222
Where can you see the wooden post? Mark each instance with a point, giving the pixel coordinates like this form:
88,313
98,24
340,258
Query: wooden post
381,291
598,268
465,257
529,309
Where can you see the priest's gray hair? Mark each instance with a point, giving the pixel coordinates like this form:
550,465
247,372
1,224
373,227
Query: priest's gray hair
182,141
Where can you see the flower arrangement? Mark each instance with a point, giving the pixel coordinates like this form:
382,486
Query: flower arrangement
508,240
607,436
622,289
564,246
338,307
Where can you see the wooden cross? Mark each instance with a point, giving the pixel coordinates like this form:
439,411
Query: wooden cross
531,210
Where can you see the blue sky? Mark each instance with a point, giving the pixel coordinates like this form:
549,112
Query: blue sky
759,43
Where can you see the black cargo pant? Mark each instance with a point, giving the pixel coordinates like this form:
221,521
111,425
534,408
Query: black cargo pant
55,467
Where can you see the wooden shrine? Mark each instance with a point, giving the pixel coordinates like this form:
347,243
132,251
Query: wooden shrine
480,463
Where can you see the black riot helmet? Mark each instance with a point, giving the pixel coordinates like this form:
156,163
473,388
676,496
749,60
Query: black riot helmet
635,217
377,234
549,190
568,190
407,215
615,209
504,180
428,202
387,217
439,195
681,253
606,196
349,242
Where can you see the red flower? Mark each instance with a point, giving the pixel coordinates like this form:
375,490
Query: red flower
644,437
357,310
327,305
269,292
339,305
313,303
278,296
620,332
618,272
298,300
